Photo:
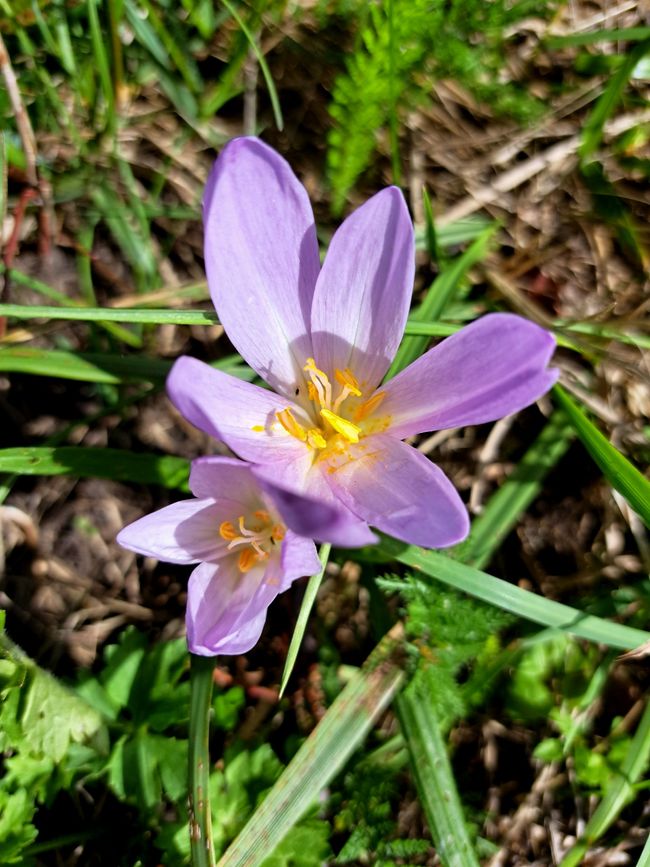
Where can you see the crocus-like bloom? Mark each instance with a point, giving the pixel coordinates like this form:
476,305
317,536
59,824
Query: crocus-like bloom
323,339
235,531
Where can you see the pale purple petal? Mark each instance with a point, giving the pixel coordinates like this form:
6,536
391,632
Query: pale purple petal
397,489
261,257
184,532
225,479
233,411
298,560
220,616
364,290
493,367
314,517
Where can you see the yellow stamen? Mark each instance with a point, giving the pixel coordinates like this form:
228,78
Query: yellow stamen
369,406
247,559
227,531
291,426
341,425
311,391
278,533
348,380
262,515
315,438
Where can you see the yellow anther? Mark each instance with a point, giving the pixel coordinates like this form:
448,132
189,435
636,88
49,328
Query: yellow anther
348,380
311,391
315,438
369,406
247,559
262,515
341,425
278,533
227,531
288,422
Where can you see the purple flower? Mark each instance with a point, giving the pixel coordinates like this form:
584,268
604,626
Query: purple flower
323,339
235,531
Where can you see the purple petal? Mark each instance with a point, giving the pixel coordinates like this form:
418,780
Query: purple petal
225,479
323,519
364,290
233,411
298,560
493,367
261,257
397,489
184,532
221,616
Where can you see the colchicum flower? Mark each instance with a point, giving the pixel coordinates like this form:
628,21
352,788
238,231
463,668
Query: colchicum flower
323,339
234,530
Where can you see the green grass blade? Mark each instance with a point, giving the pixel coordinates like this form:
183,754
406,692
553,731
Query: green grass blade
110,314
433,774
592,133
644,860
103,64
438,295
266,72
620,34
305,610
117,464
515,495
619,472
509,597
101,367
620,792
324,753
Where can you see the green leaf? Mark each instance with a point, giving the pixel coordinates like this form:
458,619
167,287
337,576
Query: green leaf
592,132
323,754
305,610
101,367
433,774
117,464
511,598
16,830
305,845
619,793
619,472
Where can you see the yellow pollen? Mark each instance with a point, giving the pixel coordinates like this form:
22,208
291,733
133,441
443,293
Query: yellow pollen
278,533
369,406
341,425
247,559
315,438
258,428
288,422
227,531
348,380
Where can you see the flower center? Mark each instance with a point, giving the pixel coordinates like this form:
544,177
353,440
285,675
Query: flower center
334,422
256,541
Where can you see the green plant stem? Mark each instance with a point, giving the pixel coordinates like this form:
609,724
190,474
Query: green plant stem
201,670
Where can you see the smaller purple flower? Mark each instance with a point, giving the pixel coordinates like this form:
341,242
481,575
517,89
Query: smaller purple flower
246,551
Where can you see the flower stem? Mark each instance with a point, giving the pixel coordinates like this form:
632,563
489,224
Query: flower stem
201,669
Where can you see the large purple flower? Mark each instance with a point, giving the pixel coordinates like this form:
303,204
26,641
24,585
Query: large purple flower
323,339
235,531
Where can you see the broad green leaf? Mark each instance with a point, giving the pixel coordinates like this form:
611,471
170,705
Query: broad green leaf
619,472
117,464
433,774
511,598
323,754
305,610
